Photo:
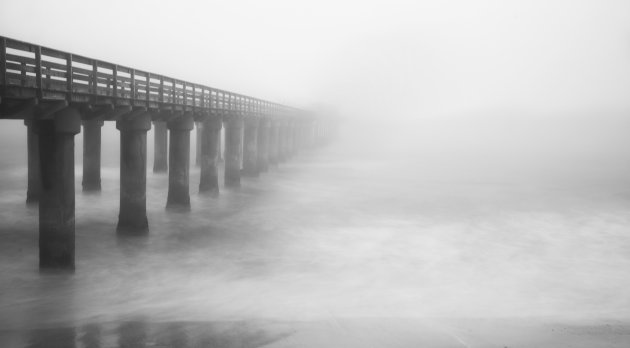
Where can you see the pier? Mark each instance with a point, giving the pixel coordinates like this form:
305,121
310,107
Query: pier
60,94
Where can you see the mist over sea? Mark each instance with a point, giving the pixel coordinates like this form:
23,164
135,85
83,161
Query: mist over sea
488,220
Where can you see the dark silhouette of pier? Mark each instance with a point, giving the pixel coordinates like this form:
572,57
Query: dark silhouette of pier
59,93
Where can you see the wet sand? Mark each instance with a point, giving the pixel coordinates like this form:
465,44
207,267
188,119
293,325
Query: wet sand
342,333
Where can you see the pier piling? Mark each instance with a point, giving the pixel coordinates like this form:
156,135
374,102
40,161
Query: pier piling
179,162
233,146
250,146
56,204
132,218
210,142
92,155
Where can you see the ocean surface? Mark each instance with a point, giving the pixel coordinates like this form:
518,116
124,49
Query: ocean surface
368,238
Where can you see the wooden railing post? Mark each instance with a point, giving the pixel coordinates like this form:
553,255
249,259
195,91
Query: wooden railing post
38,71
147,89
185,93
69,76
132,84
3,61
23,74
194,97
161,91
115,84
94,77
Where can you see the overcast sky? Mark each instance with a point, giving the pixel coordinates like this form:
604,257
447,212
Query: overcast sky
367,58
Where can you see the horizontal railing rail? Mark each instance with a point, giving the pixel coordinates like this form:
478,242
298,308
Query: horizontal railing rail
65,74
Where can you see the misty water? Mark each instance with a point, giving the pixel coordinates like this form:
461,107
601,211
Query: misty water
442,220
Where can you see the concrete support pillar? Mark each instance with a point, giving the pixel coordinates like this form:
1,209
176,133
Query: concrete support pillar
198,131
34,178
56,202
210,145
160,141
233,145
132,218
179,163
250,146
92,155
263,145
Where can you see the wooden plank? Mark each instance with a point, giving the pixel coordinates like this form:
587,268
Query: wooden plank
13,78
123,69
104,65
53,53
19,45
85,72
140,73
81,78
82,60
107,80
104,76
122,78
47,63
21,59
19,67
77,88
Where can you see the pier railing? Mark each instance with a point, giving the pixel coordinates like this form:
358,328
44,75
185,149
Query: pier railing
55,74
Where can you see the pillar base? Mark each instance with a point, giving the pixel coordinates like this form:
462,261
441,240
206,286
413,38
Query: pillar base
132,226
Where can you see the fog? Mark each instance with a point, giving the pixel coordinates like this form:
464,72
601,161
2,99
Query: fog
500,72
481,170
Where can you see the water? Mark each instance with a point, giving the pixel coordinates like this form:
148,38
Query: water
359,229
